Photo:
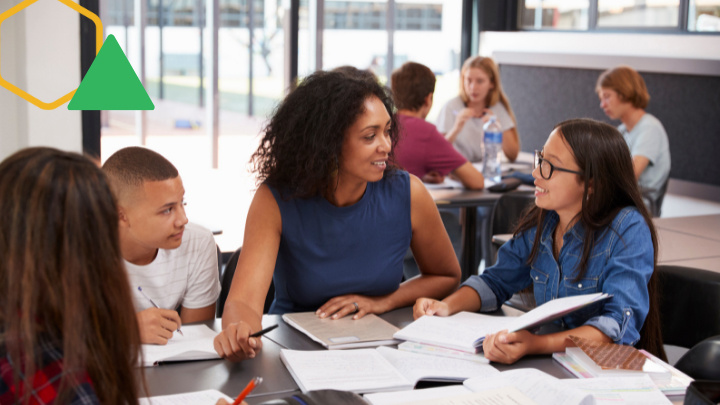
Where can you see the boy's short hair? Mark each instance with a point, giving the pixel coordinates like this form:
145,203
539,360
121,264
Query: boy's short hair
411,84
627,83
130,167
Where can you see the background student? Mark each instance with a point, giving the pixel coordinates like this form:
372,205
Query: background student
333,218
481,95
175,262
68,334
624,97
589,232
423,151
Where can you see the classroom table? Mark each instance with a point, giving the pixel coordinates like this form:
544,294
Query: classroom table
468,201
231,378
704,226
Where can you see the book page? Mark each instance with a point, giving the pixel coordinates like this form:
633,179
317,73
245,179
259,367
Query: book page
416,367
551,309
209,397
620,390
538,386
402,397
498,396
359,371
455,332
196,344
343,331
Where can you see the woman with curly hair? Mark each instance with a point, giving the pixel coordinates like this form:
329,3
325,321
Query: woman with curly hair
333,218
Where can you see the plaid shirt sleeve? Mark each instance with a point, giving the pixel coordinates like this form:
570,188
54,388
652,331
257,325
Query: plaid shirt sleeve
46,381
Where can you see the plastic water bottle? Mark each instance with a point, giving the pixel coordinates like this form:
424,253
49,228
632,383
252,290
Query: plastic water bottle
492,169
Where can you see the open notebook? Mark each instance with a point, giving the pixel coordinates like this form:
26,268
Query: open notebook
375,370
344,333
466,331
196,344
536,387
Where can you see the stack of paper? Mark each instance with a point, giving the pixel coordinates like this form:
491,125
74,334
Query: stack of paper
344,333
466,331
374,370
196,343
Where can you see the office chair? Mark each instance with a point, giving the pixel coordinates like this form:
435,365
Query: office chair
226,282
655,205
506,215
702,362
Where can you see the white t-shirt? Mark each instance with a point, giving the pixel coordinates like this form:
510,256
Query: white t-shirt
648,138
186,276
469,141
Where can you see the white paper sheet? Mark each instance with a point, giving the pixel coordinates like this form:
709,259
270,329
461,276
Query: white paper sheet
415,367
196,344
538,386
552,308
402,397
209,397
360,371
620,390
498,396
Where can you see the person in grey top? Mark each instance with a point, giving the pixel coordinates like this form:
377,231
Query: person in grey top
481,96
623,96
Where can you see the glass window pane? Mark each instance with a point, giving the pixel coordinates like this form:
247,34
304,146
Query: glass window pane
554,14
638,13
704,15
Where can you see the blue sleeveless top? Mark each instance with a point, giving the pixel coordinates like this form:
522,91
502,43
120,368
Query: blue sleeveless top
327,251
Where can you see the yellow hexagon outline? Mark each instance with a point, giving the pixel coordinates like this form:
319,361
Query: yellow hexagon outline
98,44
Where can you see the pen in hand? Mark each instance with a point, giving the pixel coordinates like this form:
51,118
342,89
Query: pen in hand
155,305
264,331
251,385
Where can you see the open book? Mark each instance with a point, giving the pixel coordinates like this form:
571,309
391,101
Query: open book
344,333
375,370
539,387
466,331
208,397
196,344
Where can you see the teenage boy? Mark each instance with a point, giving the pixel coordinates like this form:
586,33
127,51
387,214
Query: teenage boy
173,261
423,150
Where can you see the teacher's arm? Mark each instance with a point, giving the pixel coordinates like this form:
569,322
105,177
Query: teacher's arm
242,315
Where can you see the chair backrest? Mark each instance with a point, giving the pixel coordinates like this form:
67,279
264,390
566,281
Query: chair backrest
507,213
226,282
661,197
689,309
702,362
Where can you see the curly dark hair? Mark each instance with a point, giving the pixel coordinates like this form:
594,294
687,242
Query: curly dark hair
303,141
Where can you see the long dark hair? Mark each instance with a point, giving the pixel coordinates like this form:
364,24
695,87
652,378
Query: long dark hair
62,278
302,144
604,159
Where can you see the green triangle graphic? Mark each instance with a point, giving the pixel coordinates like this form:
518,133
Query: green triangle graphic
111,83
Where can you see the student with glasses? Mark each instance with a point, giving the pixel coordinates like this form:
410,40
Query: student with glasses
589,232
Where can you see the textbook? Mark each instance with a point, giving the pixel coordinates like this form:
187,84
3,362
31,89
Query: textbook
442,352
655,371
536,387
466,331
196,344
344,333
675,387
207,397
375,370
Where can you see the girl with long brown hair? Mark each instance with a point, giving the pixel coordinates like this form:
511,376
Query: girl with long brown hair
481,96
589,232
69,333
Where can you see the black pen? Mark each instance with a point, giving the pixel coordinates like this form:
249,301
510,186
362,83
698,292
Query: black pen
264,331
155,305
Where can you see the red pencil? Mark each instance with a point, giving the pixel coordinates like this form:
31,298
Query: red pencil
251,385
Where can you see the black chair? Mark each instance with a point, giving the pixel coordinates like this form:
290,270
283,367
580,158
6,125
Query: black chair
226,282
702,362
655,204
507,213
689,309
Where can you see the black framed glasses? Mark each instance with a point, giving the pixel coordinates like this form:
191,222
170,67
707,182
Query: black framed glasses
547,168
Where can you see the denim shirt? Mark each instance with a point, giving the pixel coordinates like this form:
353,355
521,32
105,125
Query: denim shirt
620,263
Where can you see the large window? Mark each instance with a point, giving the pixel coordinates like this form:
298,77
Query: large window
625,15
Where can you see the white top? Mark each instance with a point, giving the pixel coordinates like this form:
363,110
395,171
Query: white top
186,276
648,138
469,141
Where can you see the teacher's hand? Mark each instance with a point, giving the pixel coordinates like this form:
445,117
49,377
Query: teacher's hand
235,344
343,305
430,307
